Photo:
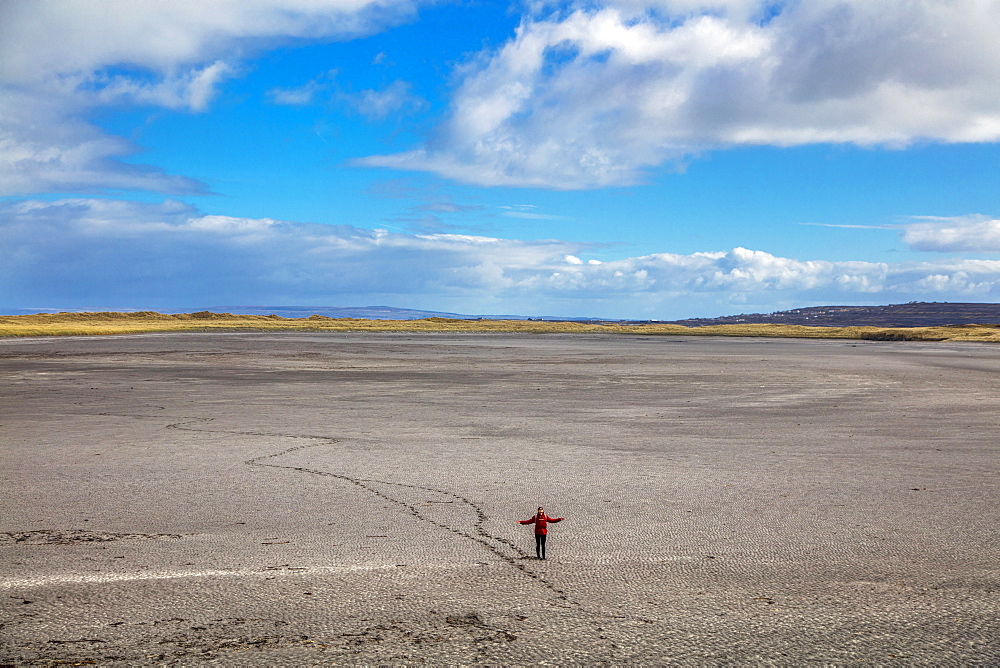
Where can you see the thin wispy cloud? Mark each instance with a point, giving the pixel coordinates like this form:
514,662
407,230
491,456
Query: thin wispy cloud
532,216
528,212
308,93
394,99
853,227
448,206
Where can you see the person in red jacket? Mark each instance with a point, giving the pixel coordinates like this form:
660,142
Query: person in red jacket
541,522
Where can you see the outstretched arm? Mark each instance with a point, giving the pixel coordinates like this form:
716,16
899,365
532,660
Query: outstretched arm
531,521
556,519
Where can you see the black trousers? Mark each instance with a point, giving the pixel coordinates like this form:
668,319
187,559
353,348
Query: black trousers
540,545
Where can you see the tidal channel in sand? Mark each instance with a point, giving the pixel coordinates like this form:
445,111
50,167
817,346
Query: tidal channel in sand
258,498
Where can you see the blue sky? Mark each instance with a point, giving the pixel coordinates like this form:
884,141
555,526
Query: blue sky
620,158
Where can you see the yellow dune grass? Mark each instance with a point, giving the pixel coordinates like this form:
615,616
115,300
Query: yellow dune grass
108,323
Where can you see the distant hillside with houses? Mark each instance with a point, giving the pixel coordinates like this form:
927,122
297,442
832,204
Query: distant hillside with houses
912,314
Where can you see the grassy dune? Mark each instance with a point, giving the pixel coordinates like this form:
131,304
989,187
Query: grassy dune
107,323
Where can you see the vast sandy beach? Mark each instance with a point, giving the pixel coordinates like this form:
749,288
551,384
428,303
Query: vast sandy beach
285,498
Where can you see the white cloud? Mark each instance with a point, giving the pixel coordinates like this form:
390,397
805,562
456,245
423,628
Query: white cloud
527,212
46,37
295,96
45,149
61,58
307,93
976,234
82,249
595,96
75,252
192,89
302,95
395,98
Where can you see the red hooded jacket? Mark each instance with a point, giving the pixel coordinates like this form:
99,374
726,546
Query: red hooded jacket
541,523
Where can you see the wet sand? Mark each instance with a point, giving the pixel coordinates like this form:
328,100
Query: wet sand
261,498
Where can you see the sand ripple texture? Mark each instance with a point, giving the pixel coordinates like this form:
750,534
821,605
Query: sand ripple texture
306,499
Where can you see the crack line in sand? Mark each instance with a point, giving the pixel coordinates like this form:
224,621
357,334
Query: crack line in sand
482,537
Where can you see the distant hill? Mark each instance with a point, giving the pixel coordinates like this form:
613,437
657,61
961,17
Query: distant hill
365,312
362,312
912,314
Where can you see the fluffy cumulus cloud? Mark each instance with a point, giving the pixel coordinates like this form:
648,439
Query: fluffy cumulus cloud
72,252
976,234
595,94
62,58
